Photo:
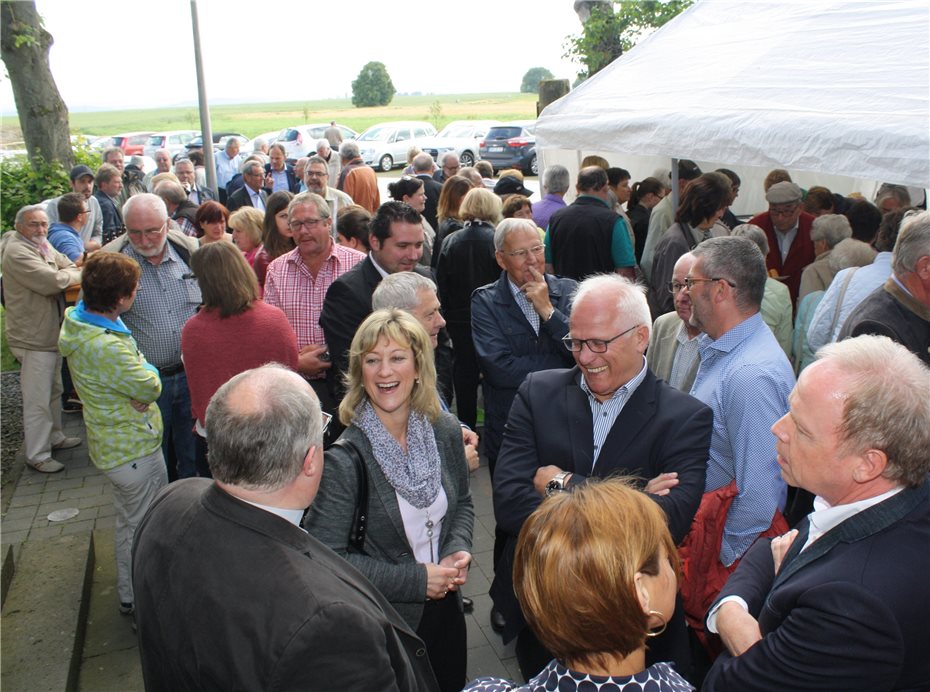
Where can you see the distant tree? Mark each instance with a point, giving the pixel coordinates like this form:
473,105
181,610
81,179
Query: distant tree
43,116
373,87
532,78
613,28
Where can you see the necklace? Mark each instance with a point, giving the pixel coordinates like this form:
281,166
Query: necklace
429,534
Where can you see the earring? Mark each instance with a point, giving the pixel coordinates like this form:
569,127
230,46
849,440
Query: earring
417,381
656,633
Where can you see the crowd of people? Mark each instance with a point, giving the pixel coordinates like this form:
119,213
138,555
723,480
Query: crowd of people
707,439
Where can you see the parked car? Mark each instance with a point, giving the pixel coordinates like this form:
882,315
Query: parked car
301,140
271,137
130,142
219,143
461,136
173,140
512,145
385,145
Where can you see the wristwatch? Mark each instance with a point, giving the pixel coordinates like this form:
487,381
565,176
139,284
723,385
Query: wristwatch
557,484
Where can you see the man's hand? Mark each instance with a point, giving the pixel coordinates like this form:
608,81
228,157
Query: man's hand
544,474
780,547
537,292
308,360
139,406
738,629
662,484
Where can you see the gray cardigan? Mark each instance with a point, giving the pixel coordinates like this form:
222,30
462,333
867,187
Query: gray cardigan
388,561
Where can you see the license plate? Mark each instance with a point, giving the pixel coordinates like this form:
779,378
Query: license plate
495,150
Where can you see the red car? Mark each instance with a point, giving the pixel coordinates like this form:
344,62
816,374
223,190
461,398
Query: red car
132,143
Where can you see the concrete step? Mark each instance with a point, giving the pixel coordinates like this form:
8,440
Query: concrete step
111,652
45,613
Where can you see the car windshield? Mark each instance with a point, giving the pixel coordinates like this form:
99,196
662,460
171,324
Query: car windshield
156,140
504,132
457,131
376,134
289,136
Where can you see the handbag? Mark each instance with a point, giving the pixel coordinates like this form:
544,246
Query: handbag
360,514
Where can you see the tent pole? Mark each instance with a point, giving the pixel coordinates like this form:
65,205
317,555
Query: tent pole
674,185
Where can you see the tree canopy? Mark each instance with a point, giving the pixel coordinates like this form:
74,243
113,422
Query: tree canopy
614,28
373,86
532,78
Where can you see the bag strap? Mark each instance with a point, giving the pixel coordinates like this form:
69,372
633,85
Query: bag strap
360,515
839,301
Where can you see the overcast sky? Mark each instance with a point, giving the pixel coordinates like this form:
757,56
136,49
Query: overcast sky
114,54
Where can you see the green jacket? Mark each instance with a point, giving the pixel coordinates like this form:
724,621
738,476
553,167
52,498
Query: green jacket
108,371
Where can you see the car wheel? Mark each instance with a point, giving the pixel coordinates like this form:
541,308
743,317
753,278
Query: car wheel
467,159
534,166
386,163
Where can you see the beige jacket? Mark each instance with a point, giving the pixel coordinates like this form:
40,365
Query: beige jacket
33,293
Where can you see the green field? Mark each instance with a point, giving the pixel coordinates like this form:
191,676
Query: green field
254,119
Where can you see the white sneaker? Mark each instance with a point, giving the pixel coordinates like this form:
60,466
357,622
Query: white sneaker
68,443
46,465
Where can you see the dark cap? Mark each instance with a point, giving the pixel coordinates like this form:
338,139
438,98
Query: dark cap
79,171
509,185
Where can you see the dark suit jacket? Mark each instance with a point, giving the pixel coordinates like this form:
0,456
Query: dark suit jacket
241,198
347,304
112,218
388,560
293,185
799,256
433,189
852,612
508,349
231,597
659,430
204,194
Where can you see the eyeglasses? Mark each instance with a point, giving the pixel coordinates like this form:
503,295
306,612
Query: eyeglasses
317,174
84,211
149,233
690,281
594,345
786,210
327,419
36,224
309,224
521,254
674,287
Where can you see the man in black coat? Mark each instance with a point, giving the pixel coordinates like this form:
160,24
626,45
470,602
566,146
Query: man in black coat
252,194
608,415
273,607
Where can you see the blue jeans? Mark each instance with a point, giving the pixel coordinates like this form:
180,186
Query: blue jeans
177,443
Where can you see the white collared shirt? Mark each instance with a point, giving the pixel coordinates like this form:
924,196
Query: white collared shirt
292,515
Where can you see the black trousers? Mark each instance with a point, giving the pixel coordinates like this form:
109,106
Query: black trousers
442,629
465,374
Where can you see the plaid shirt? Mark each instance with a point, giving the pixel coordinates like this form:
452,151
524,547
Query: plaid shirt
290,286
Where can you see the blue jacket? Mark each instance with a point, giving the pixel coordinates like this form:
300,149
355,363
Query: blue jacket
508,349
66,240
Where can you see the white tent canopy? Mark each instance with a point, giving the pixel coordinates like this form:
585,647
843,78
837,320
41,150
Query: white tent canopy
839,88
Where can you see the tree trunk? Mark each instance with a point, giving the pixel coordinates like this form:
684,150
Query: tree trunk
43,116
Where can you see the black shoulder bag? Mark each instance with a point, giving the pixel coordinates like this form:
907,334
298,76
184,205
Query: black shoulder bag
360,515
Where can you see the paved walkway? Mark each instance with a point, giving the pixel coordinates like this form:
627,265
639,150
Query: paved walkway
82,487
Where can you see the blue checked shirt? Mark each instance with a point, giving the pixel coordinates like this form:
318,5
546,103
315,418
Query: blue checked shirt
745,378
168,296
526,306
605,414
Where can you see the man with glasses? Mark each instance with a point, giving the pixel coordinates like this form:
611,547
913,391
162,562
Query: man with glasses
316,178
745,378
517,323
673,346
184,169
788,228
35,276
297,283
168,296
607,415
450,165
65,234
251,194
82,182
